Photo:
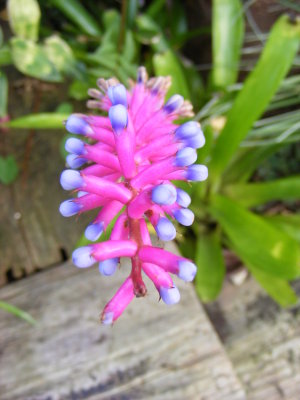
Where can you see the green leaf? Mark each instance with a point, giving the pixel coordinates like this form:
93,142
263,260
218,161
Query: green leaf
74,10
39,121
17,312
256,241
252,194
246,162
210,266
168,63
64,108
60,54
149,33
78,90
227,38
277,288
194,84
8,169
259,88
30,59
129,48
3,94
24,18
288,223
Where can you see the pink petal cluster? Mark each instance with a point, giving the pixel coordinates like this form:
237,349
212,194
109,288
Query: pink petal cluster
129,160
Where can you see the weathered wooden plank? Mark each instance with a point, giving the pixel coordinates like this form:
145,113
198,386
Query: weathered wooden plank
262,340
153,352
33,235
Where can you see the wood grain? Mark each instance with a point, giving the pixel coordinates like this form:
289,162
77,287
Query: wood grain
153,352
262,340
33,235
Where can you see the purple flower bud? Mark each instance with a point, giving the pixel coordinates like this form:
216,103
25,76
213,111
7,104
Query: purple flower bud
74,145
118,118
165,229
184,216
108,267
196,141
71,179
183,199
197,172
94,231
69,208
74,161
81,193
170,296
188,129
164,194
77,125
173,104
185,157
187,270
108,318
82,257
117,95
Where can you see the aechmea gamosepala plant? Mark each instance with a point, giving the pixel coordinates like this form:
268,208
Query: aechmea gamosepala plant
127,167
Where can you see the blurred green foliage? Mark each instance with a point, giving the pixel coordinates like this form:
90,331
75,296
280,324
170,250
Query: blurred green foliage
245,123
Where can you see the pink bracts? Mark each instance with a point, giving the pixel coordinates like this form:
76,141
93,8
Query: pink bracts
129,160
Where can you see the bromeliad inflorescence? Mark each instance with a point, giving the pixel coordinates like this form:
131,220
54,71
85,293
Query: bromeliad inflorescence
128,163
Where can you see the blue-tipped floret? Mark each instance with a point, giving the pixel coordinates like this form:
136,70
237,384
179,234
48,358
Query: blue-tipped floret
170,295
183,199
69,208
108,267
108,318
186,270
82,257
185,156
75,146
184,216
71,179
164,194
165,229
94,231
197,172
78,125
196,141
187,130
117,95
74,161
173,104
118,118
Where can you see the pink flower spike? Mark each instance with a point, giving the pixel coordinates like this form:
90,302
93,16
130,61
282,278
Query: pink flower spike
113,248
116,306
170,262
124,166
121,229
158,276
102,187
103,219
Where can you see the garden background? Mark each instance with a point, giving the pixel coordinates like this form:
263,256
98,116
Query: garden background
238,63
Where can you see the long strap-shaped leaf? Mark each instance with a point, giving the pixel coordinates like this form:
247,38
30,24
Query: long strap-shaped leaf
210,266
252,194
74,10
256,241
258,90
227,37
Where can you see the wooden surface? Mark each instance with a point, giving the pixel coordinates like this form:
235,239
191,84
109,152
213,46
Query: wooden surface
153,352
262,340
33,235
